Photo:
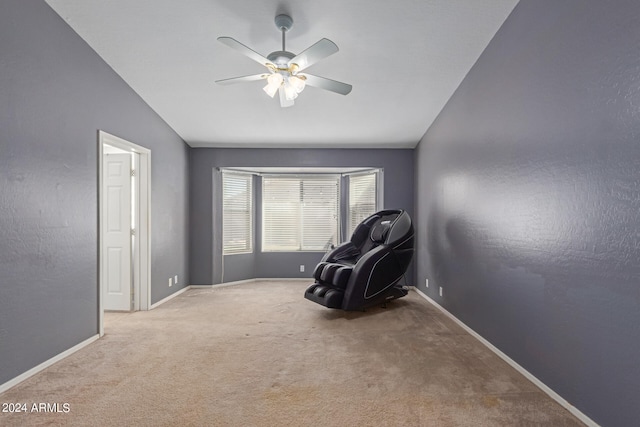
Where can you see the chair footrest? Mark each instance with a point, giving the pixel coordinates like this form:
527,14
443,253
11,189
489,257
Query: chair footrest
326,295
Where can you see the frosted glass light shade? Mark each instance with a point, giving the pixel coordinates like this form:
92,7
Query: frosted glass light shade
290,92
273,84
297,83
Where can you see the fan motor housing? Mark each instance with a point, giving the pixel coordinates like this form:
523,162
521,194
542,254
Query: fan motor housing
280,57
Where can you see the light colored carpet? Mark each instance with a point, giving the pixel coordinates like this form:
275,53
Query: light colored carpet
259,354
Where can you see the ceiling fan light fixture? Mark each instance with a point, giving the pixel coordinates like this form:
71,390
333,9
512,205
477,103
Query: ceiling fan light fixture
297,83
270,90
274,81
290,92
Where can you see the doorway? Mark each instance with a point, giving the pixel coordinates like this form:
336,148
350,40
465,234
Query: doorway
124,176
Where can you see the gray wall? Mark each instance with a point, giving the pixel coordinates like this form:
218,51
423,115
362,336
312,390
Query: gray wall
528,200
55,94
206,268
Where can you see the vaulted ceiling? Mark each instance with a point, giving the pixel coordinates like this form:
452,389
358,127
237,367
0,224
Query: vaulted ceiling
404,58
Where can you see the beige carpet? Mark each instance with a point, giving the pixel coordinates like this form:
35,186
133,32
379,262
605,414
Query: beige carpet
259,354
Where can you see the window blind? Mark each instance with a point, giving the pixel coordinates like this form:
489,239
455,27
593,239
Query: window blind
362,198
237,218
300,213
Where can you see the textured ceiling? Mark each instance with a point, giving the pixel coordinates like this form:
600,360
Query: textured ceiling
404,58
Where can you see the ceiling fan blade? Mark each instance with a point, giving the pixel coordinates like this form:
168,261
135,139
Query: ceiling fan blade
327,84
284,102
243,79
314,53
235,44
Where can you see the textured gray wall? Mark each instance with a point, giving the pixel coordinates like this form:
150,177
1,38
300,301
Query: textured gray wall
528,200
398,182
55,93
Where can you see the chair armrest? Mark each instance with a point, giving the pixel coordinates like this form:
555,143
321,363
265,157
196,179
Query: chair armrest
375,272
344,251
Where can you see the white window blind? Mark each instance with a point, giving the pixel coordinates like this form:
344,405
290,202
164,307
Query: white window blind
300,213
237,217
362,198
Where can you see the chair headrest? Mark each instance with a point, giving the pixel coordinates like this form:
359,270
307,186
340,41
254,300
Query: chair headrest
380,231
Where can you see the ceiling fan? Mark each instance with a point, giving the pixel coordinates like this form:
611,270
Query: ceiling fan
285,68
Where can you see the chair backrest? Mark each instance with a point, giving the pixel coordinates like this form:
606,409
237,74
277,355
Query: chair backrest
374,230
380,230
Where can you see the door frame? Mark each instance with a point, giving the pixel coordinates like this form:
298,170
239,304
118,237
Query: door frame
142,259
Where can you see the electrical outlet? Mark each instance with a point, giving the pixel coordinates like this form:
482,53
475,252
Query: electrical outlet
426,282
175,279
440,290
170,281
301,268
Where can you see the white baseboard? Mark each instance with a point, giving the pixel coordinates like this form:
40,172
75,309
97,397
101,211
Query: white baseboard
173,295
245,281
13,382
31,372
542,386
224,285
237,282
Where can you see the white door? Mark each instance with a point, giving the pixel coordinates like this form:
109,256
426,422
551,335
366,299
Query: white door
116,248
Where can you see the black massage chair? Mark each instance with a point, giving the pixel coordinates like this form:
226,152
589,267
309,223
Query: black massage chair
367,269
